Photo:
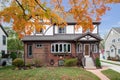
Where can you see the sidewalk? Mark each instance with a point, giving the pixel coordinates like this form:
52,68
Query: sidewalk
114,62
98,73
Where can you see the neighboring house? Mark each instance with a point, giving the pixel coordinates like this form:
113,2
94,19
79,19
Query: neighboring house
112,43
3,40
56,43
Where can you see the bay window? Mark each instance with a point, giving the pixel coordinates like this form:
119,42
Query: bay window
61,48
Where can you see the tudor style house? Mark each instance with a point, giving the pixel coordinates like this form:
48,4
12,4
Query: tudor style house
3,41
112,43
56,43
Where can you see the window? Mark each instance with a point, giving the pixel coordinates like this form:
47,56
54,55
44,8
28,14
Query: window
118,39
4,40
41,30
112,50
39,45
61,48
3,53
79,48
94,48
61,30
113,40
29,51
118,51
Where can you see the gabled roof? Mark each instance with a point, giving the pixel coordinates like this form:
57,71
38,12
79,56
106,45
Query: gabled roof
3,30
117,29
69,18
96,36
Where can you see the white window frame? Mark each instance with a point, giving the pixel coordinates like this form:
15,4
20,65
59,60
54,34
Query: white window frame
63,49
94,48
79,48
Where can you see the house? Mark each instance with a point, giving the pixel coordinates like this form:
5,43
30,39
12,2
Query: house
3,41
112,43
56,43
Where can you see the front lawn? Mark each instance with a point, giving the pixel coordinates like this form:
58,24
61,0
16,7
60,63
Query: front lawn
112,75
47,73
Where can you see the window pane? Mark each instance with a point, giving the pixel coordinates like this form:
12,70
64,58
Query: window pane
60,48
61,30
64,47
56,47
78,48
118,51
68,47
29,50
4,40
52,48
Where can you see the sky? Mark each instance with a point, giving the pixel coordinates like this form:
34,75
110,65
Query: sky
109,20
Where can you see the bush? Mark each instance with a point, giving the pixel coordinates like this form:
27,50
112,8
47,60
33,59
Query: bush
18,62
70,62
13,55
97,62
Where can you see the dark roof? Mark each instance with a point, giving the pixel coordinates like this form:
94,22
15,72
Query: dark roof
69,18
3,30
57,37
117,29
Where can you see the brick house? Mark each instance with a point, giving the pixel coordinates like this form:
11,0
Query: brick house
56,43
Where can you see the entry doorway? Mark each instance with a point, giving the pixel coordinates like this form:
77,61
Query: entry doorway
86,49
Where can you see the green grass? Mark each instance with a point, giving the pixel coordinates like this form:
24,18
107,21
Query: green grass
112,75
111,63
47,73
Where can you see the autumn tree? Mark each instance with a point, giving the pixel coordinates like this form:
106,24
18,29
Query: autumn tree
27,14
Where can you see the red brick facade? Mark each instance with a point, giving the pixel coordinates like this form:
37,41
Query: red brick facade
44,56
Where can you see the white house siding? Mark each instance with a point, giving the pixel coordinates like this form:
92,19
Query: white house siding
108,44
49,30
2,47
95,29
70,29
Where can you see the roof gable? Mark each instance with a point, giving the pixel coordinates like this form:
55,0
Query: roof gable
117,29
89,36
114,29
3,30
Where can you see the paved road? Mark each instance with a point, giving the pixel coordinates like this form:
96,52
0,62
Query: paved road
111,66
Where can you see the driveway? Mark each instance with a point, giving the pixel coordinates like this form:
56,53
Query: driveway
111,66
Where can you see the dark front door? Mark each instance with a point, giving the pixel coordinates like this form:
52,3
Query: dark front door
86,48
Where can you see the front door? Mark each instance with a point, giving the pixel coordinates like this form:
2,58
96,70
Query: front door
86,49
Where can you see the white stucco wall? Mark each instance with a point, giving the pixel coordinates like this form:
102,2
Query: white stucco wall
108,43
2,47
95,29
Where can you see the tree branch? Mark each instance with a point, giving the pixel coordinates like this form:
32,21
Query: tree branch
20,6
40,5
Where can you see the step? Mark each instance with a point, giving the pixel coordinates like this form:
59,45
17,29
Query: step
89,64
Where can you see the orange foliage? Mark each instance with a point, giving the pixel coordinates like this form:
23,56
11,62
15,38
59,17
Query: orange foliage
27,14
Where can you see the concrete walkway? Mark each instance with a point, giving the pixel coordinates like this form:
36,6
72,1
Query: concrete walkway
98,73
111,66
114,62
